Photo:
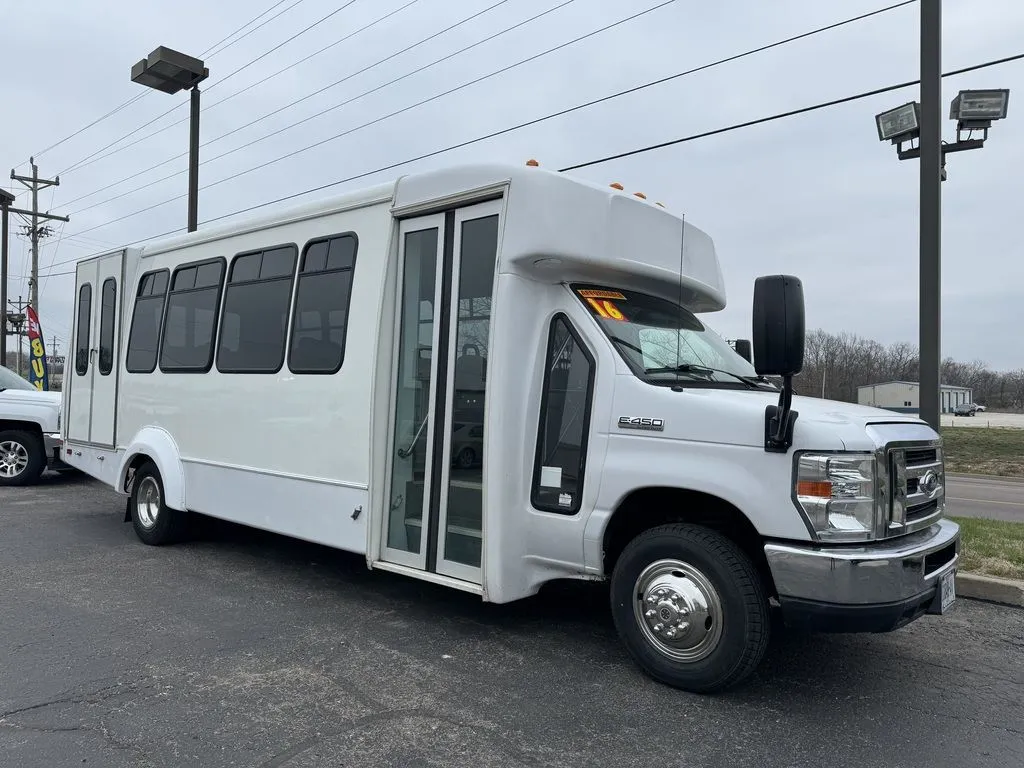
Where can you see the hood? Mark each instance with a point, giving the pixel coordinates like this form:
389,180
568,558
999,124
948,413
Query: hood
29,397
737,417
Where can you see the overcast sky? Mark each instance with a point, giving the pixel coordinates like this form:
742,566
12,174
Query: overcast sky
817,195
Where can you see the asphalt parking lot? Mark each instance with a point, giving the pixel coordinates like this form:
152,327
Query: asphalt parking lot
245,649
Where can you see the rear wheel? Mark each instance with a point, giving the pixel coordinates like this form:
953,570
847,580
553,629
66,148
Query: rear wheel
22,457
154,522
690,608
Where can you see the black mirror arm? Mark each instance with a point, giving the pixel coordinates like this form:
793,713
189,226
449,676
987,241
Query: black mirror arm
780,419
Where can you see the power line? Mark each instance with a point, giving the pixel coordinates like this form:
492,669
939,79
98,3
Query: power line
397,112
89,159
291,104
506,30
649,148
207,52
143,94
236,93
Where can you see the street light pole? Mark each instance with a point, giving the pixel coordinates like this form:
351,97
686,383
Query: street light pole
193,163
930,238
169,71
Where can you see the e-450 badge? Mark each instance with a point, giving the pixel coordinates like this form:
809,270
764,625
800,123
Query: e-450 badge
641,423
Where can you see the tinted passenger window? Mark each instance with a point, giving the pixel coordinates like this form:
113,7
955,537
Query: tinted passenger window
84,321
108,310
191,320
255,318
144,337
564,421
321,305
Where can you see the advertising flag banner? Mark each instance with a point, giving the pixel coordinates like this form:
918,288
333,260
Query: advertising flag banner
38,373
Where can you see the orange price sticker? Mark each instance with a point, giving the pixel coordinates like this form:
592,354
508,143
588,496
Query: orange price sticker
606,309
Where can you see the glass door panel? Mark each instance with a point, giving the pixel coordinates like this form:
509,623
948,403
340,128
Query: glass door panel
461,515
413,430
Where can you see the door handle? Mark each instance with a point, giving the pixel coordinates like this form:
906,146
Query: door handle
404,453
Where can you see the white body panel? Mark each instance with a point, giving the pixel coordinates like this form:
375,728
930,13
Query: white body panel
322,457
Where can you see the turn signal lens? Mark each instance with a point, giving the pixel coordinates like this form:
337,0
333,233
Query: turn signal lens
818,490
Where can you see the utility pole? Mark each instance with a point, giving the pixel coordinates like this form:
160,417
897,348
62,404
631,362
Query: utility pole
34,183
6,198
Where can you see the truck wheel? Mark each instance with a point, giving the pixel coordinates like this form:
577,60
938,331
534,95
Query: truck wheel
690,608
154,522
22,457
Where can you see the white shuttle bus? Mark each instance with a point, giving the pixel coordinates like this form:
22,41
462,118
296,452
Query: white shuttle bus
492,377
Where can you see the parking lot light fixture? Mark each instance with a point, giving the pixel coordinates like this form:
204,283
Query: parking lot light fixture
170,71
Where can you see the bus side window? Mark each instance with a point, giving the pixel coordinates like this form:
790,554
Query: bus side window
564,421
83,330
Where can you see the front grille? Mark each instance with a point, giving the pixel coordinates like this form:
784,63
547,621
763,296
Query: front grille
921,455
917,488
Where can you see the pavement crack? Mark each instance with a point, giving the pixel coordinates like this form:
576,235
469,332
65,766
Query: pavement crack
91,697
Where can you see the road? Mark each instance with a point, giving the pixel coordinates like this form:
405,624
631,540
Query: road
985,497
245,649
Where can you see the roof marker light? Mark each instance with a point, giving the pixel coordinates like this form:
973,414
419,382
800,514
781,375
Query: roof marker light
532,163
660,205
616,185
641,195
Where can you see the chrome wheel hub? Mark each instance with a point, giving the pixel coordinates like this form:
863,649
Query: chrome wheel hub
678,610
147,502
13,458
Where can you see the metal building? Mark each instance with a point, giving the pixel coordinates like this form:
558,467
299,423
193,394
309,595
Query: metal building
905,396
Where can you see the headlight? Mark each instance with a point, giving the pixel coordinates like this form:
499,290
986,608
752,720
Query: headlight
837,494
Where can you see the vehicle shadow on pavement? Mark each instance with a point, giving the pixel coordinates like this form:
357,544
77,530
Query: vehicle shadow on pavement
572,612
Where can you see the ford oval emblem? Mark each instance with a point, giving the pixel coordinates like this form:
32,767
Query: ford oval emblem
929,483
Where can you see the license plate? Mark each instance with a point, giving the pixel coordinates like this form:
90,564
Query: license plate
948,587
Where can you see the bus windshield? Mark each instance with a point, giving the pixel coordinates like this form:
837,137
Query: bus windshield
663,342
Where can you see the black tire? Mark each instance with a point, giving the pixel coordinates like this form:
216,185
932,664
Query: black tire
733,645
154,522
22,457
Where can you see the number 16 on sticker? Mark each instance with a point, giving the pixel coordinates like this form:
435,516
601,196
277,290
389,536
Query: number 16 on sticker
606,309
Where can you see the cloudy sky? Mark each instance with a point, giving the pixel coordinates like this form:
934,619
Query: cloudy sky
816,195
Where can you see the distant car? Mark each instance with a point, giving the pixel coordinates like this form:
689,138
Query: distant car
965,409
29,430
979,408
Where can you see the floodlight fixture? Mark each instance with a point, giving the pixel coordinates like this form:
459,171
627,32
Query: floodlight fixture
900,124
972,106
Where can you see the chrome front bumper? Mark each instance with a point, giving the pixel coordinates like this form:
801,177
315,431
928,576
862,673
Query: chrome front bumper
870,587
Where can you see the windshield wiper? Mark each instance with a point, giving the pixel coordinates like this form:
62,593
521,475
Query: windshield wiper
705,370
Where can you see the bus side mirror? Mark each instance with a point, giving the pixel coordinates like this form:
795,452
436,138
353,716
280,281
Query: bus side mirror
779,350
778,325
743,350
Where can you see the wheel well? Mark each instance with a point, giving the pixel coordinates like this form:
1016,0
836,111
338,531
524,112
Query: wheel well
137,461
24,426
647,508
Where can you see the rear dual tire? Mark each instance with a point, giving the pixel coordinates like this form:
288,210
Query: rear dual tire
690,608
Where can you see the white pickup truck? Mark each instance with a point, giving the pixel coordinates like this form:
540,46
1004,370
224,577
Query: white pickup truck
29,430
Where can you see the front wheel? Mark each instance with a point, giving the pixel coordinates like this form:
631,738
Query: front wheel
690,608
22,457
